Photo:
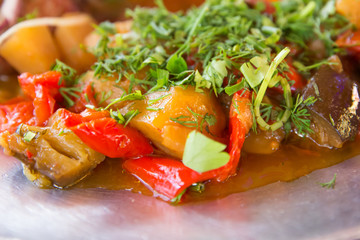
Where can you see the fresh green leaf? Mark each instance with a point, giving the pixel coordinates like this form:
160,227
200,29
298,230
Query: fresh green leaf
155,58
200,82
160,29
204,154
117,116
28,136
263,87
176,64
215,73
230,90
218,38
255,71
328,10
162,79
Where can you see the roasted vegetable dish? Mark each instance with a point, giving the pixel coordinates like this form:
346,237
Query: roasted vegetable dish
227,95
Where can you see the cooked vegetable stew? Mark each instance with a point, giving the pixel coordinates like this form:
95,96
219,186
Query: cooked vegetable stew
187,105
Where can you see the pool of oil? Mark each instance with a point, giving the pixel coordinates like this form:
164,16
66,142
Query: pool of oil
288,163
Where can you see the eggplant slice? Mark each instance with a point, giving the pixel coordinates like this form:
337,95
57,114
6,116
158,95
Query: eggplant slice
335,114
53,151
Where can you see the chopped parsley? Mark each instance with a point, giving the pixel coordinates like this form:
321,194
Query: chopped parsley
176,64
203,154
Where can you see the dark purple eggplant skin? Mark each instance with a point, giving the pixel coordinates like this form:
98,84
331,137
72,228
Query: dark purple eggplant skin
335,114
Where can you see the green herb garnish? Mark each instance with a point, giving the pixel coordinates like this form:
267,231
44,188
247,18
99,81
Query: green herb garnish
28,16
204,154
123,119
330,184
199,121
137,95
69,78
300,115
28,136
68,74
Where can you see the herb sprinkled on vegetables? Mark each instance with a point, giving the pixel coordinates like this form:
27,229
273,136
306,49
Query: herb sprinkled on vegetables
330,184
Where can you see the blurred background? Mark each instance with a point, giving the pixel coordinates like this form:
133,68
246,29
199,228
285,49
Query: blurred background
14,11
111,10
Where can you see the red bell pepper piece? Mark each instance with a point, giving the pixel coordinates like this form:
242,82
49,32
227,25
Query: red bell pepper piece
44,105
86,97
49,81
105,135
293,75
351,41
165,176
15,112
72,119
44,89
240,122
297,83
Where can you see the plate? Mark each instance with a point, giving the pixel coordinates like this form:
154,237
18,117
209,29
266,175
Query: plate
301,209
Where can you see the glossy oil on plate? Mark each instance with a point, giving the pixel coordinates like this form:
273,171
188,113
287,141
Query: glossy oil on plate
301,209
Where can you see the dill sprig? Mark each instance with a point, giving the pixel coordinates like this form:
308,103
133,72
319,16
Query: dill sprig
300,115
330,184
70,79
198,122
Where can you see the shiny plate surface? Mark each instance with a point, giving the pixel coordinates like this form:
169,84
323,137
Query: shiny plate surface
301,209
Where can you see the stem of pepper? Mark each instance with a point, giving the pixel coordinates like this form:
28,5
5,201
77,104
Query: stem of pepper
261,93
